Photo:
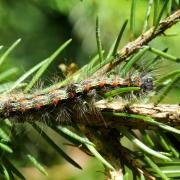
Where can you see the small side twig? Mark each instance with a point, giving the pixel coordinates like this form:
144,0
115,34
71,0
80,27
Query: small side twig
135,163
142,40
168,114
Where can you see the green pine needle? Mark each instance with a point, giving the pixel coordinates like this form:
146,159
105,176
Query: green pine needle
5,148
119,38
7,52
26,75
45,65
13,168
160,14
120,91
132,16
98,40
142,146
155,168
37,164
75,136
146,119
165,55
167,89
132,61
10,72
57,148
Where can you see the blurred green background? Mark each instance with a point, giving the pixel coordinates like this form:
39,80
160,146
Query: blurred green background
45,24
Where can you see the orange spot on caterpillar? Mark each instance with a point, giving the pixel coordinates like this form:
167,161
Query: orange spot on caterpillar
23,109
72,95
37,97
137,81
102,84
87,88
55,101
115,84
127,82
38,106
22,100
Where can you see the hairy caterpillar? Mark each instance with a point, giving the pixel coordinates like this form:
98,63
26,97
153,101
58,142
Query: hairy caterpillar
62,104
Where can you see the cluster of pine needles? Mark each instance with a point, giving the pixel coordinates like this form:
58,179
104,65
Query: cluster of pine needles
155,153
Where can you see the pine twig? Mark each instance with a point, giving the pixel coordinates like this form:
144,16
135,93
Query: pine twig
164,113
135,163
142,40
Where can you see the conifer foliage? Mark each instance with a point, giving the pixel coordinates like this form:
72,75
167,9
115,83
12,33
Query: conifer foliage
111,104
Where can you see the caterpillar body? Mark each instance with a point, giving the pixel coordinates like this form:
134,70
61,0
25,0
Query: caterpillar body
62,104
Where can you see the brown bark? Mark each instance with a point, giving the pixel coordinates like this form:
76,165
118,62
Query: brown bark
164,113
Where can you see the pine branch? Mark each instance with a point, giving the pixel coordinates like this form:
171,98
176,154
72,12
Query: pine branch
142,40
100,133
164,113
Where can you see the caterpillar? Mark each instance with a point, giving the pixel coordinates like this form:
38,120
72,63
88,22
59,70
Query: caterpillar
62,104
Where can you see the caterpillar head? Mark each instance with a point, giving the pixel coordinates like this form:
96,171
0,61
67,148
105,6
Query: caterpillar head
147,84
